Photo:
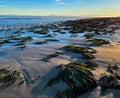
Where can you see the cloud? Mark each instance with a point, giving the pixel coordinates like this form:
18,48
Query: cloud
59,2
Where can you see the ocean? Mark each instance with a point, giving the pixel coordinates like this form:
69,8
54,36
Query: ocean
9,21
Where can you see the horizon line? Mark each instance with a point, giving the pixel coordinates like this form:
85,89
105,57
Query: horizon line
61,15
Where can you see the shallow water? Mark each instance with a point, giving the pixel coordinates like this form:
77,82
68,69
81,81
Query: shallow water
11,27
62,38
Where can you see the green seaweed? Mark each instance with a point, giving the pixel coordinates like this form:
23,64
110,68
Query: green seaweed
112,80
89,35
99,42
69,74
76,49
7,77
50,56
87,53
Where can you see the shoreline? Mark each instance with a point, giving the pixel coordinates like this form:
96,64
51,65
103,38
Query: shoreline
48,19
38,64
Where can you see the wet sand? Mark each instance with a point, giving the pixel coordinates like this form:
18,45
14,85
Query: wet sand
30,61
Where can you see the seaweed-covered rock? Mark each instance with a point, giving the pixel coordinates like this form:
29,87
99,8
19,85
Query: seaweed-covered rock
114,70
78,78
87,53
54,40
50,56
2,42
40,42
89,35
26,39
99,42
112,80
91,64
7,77
44,30
96,25
22,47
76,49
74,31
57,30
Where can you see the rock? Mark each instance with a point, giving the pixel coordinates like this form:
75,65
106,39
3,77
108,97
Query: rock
7,77
78,78
112,80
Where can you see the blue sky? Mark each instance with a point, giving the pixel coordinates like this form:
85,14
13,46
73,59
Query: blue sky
61,7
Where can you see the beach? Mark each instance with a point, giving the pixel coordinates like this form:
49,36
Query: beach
64,59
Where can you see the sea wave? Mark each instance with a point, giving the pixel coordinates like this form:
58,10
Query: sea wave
10,22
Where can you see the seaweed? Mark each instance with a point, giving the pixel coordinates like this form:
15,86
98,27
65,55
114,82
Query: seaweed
89,35
76,49
40,42
69,74
26,39
7,77
54,40
112,80
50,56
99,42
87,53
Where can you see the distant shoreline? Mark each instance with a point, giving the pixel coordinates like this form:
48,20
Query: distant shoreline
12,22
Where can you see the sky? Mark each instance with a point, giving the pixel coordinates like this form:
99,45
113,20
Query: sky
60,7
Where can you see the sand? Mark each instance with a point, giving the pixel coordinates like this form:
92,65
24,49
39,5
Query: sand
30,61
